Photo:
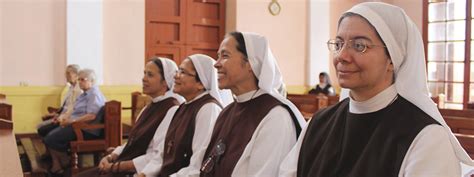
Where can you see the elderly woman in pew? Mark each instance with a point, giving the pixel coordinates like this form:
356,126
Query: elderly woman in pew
85,109
151,126
52,119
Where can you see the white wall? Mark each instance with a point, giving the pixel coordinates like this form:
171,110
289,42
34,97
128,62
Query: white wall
84,35
319,60
123,41
32,42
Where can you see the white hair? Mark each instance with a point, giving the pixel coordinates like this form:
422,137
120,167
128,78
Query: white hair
89,74
74,68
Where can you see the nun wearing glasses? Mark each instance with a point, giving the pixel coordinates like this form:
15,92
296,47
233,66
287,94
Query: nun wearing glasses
388,126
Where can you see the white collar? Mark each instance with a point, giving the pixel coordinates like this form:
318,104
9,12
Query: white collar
160,98
248,96
322,85
197,97
378,102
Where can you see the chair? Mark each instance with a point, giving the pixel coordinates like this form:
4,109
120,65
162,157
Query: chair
6,116
5,111
332,100
112,134
139,101
10,163
306,104
3,98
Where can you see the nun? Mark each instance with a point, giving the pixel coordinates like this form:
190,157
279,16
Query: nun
151,126
189,132
253,134
388,126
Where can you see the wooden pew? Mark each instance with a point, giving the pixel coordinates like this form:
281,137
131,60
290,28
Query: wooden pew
3,98
460,121
5,111
460,125
457,113
332,100
467,142
10,162
139,101
308,104
112,134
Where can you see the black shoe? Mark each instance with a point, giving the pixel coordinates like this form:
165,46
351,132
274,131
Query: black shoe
59,173
45,157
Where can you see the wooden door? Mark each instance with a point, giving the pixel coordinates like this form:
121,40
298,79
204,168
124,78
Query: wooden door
205,25
165,28
178,28
175,53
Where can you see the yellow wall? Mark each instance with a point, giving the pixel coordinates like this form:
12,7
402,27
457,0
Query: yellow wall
30,103
296,89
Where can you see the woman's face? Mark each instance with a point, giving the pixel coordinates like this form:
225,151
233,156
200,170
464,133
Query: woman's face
185,82
369,71
232,68
153,83
84,82
71,76
322,79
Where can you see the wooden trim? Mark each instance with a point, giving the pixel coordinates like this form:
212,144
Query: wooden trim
6,111
26,135
6,124
425,31
467,48
467,55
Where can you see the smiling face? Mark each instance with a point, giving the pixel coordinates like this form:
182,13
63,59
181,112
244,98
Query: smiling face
364,73
233,69
185,82
153,83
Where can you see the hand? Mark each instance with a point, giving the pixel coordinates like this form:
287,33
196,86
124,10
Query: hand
141,175
56,119
65,122
104,165
49,116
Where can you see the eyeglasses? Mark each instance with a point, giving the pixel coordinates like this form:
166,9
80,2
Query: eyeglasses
214,158
336,45
183,72
82,79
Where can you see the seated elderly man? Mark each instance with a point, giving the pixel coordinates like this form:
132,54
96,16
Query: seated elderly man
85,109
67,104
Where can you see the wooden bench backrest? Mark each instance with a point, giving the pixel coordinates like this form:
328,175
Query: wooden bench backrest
305,103
460,121
112,122
467,142
467,113
139,101
460,125
5,111
332,100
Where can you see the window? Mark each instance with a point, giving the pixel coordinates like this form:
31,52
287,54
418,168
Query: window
448,41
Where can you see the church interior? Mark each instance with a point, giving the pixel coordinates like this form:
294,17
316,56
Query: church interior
116,38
